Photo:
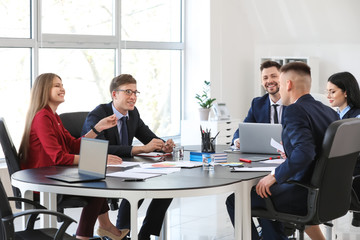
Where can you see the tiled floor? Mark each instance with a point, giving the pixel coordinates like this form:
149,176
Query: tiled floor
205,218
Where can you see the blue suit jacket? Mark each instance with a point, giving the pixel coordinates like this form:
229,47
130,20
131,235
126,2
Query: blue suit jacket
136,128
304,125
259,112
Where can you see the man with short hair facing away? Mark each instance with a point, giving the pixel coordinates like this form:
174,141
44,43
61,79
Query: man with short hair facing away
305,121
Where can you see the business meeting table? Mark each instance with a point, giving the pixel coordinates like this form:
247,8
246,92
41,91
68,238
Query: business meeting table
189,182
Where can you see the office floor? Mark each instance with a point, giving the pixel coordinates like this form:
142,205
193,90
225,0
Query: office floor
205,218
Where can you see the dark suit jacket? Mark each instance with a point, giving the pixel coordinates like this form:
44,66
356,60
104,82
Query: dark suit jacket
304,125
259,112
136,128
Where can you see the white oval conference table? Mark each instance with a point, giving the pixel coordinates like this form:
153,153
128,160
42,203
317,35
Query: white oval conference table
185,183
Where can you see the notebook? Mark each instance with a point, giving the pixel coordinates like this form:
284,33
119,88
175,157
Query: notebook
92,162
256,137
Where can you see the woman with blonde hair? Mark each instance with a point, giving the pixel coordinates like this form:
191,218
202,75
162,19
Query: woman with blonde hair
46,142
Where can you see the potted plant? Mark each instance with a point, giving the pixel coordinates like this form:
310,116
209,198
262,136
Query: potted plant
205,101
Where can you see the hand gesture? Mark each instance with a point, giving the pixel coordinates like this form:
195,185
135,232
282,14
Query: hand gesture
107,122
154,145
237,143
282,154
168,146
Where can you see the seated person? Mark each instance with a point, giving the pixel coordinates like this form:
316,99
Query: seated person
343,93
46,142
268,108
305,121
124,94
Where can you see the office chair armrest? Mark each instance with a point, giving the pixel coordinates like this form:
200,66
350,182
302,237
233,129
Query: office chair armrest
356,176
9,228
272,213
307,186
24,200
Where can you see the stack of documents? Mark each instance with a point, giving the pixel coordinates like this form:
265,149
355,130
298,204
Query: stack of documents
219,157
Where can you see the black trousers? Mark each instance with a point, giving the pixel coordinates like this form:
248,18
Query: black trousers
154,216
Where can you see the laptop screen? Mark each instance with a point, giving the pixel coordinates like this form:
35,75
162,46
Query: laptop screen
93,156
255,137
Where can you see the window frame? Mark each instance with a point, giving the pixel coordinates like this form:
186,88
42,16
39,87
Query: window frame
39,40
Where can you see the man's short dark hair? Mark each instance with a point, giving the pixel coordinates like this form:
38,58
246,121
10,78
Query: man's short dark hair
269,64
300,68
121,80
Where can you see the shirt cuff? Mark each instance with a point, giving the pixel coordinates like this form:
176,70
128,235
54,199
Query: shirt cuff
273,172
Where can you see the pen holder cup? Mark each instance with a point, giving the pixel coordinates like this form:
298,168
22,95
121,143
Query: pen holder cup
207,145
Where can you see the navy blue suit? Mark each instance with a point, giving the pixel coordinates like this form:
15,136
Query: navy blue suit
304,125
136,128
259,112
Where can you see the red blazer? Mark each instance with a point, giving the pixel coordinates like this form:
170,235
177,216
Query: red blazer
50,143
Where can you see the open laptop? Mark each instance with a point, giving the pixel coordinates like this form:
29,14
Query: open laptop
92,163
255,137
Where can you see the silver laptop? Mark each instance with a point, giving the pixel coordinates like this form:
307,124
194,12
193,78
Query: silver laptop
255,137
92,163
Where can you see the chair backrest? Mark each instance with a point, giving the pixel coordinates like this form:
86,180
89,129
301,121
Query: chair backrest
73,122
11,157
334,169
5,209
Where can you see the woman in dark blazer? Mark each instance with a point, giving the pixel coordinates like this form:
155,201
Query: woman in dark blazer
343,92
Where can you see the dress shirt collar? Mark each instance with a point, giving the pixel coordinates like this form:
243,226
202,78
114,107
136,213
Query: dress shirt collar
118,114
343,112
279,102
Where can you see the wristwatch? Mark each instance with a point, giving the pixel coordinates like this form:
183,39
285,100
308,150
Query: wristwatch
94,130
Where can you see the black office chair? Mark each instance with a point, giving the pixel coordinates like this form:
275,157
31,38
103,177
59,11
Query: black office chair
329,191
355,202
73,122
13,165
7,229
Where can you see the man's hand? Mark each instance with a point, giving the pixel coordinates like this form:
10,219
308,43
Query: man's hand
263,186
154,145
105,123
113,160
169,145
237,143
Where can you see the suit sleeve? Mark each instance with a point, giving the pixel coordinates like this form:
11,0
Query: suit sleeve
298,143
143,132
250,116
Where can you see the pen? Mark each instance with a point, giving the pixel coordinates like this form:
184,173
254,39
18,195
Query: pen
133,180
244,160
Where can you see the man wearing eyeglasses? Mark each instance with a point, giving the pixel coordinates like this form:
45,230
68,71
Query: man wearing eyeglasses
124,95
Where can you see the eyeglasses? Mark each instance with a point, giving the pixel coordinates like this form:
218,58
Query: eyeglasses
330,92
129,92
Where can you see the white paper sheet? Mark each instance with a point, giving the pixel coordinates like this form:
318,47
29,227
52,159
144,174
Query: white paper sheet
276,145
253,169
162,171
170,164
278,161
132,175
125,164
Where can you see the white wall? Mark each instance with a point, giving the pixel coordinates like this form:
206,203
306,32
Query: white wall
243,31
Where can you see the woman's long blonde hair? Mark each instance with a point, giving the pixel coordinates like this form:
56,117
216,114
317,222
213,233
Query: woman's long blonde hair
39,98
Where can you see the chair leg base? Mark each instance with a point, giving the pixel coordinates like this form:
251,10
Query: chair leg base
356,219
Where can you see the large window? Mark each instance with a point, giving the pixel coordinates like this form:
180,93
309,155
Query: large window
87,43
